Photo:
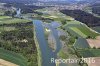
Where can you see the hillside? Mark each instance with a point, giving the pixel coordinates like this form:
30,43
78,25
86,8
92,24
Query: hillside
96,8
84,17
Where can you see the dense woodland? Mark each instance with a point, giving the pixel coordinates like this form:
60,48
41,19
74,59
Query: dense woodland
20,40
84,17
96,8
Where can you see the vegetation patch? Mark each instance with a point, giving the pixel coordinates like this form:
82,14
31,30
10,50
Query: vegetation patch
62,54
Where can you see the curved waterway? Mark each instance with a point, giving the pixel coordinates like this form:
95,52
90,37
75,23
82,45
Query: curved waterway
46,52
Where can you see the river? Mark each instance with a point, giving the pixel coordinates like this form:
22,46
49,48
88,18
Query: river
46,52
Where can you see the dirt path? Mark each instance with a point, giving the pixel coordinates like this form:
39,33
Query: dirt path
6,63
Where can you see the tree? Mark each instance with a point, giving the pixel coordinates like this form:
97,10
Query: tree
64,22
8,13
13,14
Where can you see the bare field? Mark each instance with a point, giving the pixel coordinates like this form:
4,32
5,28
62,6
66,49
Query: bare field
96,63
94,42
6,63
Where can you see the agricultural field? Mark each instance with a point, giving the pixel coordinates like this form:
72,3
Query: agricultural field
9,20
94,42
89,53
78,29
81,43
13,57
97,61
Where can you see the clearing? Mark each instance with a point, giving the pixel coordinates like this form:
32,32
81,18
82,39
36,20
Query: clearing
94,42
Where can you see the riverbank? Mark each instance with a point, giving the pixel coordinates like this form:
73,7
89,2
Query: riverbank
39,58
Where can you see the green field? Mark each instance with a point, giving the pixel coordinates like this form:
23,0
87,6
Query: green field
79,29
13,57
4,17
81,43
9,20
76,30
89,53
